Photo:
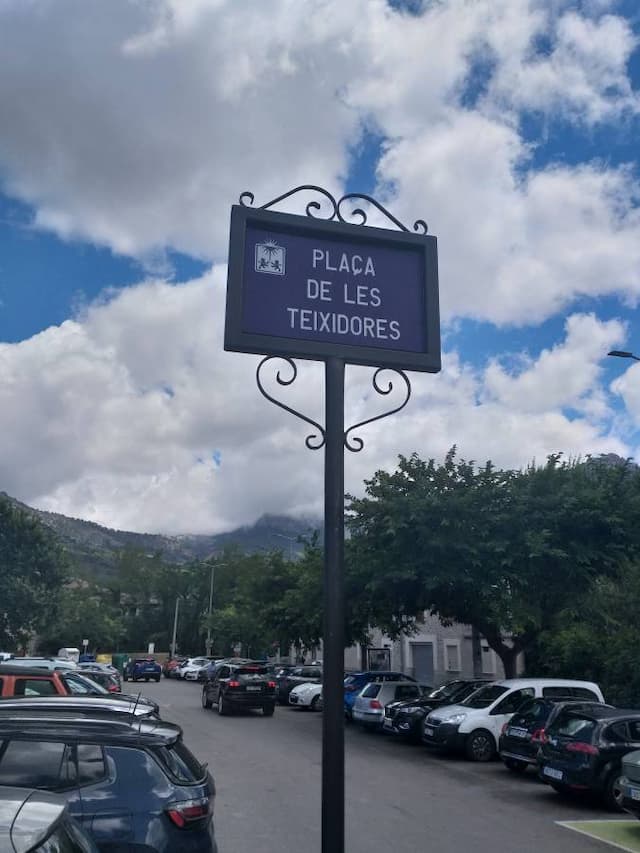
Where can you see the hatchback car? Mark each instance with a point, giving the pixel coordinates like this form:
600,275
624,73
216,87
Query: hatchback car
131,780
307,696
583,751
291,678
232,686
522,736
39,822
368,708
355,682
406,718
140,669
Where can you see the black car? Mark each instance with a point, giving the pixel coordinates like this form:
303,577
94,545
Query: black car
522,736
582,750
130,780
287,680
39,822
406,718
240,685
630,783
109,680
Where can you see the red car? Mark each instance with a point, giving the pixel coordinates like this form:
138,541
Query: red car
169,667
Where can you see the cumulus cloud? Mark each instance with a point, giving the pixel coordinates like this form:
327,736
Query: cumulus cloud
133,416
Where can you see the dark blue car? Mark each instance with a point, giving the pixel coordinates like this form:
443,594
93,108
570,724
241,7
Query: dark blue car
356,681
142,668
130,782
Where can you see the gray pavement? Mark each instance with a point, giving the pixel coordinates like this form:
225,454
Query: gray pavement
400,798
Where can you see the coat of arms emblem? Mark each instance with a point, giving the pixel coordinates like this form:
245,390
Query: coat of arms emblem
270,257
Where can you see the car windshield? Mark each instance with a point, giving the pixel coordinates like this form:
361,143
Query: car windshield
251,670
81,685
485,696
445,691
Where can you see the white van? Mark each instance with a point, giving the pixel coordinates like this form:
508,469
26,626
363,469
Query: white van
474,726
70,653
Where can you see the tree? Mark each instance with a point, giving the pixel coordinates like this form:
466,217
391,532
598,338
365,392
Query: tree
84,611
32,569
499,549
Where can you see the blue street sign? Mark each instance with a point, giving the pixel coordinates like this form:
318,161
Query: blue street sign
311,288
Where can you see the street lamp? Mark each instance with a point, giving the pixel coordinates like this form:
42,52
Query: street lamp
209,639
622,354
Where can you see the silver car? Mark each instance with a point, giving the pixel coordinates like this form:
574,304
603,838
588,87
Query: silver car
368,708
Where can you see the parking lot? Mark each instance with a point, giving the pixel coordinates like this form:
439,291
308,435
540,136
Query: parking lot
399,797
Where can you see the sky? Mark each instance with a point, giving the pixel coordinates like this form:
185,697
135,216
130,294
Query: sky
130,128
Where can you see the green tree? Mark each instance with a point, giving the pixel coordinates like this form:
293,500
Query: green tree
84,611
32,569
498,549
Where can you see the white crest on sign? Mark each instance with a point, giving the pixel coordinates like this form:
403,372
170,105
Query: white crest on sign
270,257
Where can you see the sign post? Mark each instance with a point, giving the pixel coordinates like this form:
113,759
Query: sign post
330,290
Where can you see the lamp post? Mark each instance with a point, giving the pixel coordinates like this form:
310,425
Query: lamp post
209,641
175,627
622,354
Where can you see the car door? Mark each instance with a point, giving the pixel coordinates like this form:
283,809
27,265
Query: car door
106,791
223,672
502,712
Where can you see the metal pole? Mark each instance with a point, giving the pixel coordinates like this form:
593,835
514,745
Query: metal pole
334,629
175,627
208,652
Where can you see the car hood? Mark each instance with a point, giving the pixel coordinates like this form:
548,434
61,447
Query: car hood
449,710
411,703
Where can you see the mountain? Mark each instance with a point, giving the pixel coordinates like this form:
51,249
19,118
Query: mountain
94,548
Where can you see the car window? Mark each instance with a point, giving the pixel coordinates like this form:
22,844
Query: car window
634,730
311,672
617,733
585,693
565,694
511,703
371,691
80,685
181,764
406,691
573,726
223,672
90,763
252,670
35,687
485,696
31,764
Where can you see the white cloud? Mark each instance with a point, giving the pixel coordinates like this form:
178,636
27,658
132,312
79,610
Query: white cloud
116,416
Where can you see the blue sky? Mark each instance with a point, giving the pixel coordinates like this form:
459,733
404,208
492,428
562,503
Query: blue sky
510,127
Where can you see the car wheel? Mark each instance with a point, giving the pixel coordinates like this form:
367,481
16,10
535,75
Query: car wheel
480,746
613,791
206,702
268,710
314,703
157,679
223,709
515,766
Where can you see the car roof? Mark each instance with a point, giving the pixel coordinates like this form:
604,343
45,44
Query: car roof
603,713
39,672
549,682
82,704
75,726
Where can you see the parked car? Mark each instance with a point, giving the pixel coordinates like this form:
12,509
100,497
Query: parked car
368,708
109,680
407,718
131,780
306,696
142,668
355,682
474,726
39,822
84,705
20,681
522,736
95,665
292,678
170,666
44,663
240,685
630,783
583,751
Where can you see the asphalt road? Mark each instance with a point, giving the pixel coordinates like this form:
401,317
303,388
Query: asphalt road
400,798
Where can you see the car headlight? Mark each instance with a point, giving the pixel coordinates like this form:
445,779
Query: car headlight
454,718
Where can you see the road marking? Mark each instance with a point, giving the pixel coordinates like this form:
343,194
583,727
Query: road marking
623,834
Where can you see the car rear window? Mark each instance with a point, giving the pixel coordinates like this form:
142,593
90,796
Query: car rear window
252,670
181,764
371,691
573,726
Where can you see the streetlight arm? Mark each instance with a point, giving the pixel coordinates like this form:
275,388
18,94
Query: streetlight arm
622,354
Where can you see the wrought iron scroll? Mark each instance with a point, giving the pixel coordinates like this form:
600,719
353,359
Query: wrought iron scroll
355,443
314,208
314,440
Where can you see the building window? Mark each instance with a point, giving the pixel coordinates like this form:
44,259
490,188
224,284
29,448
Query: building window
452,656
488,659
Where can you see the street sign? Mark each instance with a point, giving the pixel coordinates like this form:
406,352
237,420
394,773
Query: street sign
305,287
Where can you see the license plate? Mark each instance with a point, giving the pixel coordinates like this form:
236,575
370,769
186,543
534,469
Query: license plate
516,732
552,773
254,689
635,793
429,731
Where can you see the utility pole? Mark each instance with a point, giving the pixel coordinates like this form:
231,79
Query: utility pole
175,627
208,646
